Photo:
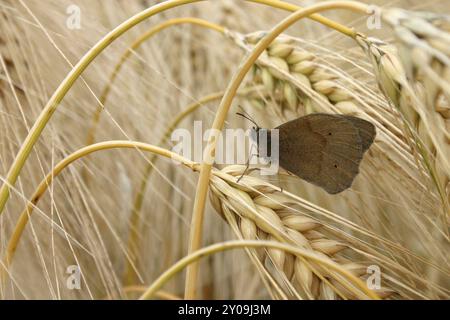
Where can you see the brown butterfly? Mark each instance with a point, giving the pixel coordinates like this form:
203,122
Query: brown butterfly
323,149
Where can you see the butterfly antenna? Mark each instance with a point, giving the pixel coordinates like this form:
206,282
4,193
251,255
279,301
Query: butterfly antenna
245,112
247,116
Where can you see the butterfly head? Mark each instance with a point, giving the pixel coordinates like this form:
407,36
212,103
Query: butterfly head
257,134
254,133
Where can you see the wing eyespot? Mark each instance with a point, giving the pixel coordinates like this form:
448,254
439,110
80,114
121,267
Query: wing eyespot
335,166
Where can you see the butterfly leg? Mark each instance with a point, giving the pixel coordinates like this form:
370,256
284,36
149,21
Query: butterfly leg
247,165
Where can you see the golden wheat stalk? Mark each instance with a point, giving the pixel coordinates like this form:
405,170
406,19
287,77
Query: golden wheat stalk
294,77
264,212
423,39
345,275
420,103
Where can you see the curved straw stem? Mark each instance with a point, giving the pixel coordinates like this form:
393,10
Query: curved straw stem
134,46
85,61
132,244
228,245
48,180
209,154
163,295
313,16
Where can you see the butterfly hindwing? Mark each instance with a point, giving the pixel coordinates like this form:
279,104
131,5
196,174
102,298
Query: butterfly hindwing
366,129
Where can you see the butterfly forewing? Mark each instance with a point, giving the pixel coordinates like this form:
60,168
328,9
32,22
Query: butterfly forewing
324,149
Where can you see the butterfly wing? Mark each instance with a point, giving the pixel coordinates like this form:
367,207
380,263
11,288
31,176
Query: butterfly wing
366,129
323,149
